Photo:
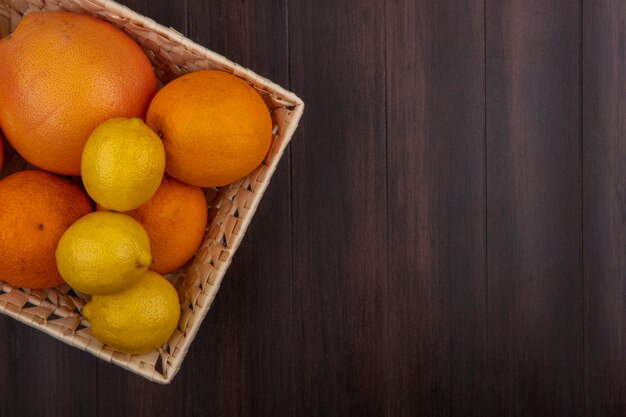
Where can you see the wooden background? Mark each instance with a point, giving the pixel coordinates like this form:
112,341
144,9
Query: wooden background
446,235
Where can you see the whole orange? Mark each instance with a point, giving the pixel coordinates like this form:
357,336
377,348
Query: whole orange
36,207
175,219
63,74
216,128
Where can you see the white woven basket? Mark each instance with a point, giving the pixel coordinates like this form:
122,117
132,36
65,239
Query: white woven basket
57,311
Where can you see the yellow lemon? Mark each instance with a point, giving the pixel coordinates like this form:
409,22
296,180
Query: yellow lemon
137,320
103,252
122,163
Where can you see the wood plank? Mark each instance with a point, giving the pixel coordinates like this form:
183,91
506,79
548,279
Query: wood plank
435,122
121,393
241,355
604,206
40,375
337,57
534,208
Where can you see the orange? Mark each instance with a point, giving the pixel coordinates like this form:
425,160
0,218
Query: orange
216,129
63,74
36,207
1,152
175,219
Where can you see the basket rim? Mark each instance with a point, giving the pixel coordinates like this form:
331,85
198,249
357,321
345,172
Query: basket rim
190,45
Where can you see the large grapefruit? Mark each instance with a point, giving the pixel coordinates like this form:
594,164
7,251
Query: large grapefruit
63,74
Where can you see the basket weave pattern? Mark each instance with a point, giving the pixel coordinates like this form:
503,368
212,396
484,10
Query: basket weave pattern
57,311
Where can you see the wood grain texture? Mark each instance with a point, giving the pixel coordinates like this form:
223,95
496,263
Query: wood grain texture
339,205
445,236
436,227
41,376
534,208
604,207
242,354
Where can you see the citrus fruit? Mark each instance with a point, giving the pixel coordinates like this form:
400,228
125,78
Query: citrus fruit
175,219
137,320
216,129
63,74
1,152
36,207
122,164
103,252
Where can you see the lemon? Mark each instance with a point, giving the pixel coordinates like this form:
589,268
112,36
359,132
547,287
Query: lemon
137,320
122,163
103,252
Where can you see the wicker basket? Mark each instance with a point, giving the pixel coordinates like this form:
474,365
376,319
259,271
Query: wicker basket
57,311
